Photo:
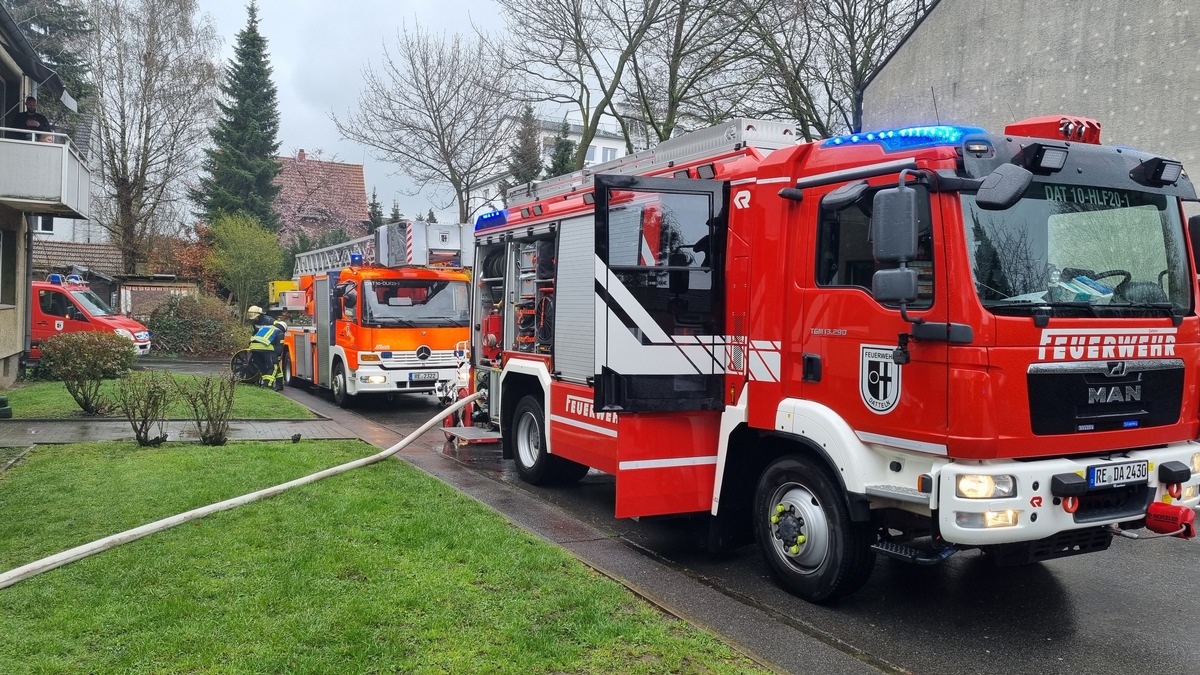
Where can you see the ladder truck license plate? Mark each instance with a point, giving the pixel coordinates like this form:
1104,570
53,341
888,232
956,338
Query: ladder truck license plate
423,376
1108,475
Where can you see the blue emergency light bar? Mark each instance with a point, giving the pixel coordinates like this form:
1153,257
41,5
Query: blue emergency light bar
56,279
355,259
907,138
493,219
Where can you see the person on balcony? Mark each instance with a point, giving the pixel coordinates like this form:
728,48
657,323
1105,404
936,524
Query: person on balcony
32,120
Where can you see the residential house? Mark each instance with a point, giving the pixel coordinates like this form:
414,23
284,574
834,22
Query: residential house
317,196
78,230
42,176
1130,65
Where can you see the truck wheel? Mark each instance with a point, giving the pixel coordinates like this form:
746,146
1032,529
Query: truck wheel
285,364
337,384
567,471
527,436
803,528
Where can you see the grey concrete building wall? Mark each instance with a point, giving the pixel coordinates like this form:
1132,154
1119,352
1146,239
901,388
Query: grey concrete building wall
1134,65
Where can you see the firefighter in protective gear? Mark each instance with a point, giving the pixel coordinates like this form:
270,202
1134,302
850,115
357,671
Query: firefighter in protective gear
265,348
256,316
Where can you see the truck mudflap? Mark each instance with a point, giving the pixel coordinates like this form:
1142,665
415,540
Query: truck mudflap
1010,502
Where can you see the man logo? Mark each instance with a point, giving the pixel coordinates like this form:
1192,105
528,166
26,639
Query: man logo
1116,369
423,353
878,378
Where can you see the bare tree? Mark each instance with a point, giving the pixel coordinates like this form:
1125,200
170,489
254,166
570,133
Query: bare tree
817,56
578,50
155,71
693,69
440,109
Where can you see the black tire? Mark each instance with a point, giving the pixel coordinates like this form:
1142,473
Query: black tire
285,363
834,559
337,385
567,471
526,435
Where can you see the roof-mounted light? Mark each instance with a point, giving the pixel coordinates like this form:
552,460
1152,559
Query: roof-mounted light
1045,158
907,138
356,259
493,219
1157,171
56,279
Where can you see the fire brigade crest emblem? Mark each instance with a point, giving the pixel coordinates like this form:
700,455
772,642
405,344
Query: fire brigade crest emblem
878,378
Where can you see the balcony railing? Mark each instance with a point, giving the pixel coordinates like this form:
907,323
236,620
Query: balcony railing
43,172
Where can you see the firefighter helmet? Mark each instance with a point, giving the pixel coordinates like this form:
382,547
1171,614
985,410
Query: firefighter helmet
253,311
282,326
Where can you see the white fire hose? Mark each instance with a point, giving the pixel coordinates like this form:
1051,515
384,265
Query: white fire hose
79,552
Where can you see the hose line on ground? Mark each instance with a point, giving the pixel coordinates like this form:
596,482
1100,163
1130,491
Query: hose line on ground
79,552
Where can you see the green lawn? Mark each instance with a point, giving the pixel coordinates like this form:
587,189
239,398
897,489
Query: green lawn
51,400
383,569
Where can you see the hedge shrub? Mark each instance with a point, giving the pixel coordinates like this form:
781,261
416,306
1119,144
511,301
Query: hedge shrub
82,360
196,325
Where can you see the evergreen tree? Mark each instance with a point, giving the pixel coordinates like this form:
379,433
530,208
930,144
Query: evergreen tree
241,165
420,217
59,30
525,163
429,217
396,215
562,160
375,211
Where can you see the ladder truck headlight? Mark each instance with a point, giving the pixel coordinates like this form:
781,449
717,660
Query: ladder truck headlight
1196,464
372,379
1190,492
983,486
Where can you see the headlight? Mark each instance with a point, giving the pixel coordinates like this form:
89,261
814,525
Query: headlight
367,356
1006,518
372,379
123,333
983,486
1196,463
1190,492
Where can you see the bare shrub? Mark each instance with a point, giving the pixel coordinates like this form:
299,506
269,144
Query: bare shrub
210,398
144,398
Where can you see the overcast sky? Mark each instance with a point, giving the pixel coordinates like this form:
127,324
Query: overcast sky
318,51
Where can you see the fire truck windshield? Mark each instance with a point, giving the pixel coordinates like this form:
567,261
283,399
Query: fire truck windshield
1079,251
426,303
92,303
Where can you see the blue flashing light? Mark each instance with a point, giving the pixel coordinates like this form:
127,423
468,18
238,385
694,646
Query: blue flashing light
493,219
907,138
56,279
355,259
1130,424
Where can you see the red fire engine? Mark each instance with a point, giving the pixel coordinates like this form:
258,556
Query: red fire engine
903,343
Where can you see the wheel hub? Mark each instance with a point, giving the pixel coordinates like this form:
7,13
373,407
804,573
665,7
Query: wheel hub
799,528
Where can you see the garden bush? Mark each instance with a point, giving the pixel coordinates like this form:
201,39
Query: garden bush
210,398
144,399
83,360
197,325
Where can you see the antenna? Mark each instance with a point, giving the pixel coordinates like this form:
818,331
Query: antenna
936,116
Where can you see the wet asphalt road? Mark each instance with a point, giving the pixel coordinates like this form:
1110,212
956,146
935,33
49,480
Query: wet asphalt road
1131,609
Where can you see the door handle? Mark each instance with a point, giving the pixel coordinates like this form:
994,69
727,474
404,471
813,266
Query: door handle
43,323
812,368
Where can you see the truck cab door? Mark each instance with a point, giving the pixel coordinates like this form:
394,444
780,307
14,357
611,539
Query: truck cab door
659,300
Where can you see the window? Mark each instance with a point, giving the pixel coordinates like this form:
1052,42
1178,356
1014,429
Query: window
53,303
45,224
610,154
591,153
8,267
844,254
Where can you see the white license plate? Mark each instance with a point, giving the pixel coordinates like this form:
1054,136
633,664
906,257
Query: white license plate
422,376
1107,475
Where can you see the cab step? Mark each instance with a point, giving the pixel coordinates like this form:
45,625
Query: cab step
473,434
912,555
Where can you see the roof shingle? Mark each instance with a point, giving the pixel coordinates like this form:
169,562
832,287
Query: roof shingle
54,255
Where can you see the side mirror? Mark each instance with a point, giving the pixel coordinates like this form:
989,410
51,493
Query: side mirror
339,291
1003,187
350,298
894,225
895,285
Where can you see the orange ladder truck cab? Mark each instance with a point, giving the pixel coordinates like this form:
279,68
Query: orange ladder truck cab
904,343
389,312
65,304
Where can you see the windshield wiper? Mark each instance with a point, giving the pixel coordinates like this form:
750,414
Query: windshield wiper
453,322
394,320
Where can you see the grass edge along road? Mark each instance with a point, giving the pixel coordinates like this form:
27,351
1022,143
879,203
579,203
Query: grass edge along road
383,568
51,400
